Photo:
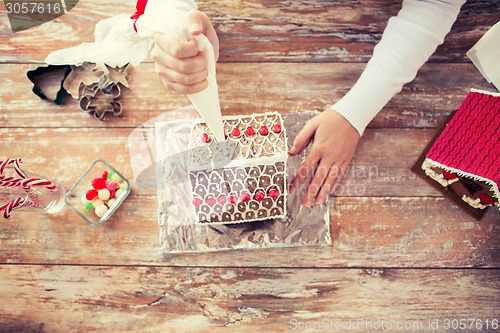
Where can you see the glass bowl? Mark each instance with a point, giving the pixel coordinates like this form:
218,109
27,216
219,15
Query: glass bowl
98,193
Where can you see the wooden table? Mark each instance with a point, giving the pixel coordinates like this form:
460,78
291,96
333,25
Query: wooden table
403,256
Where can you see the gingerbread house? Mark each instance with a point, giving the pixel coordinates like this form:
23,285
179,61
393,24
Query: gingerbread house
243,178
465,158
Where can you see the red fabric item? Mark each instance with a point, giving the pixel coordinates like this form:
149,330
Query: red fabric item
471,140
140,7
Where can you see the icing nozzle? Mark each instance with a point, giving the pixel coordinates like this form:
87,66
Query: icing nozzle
206,102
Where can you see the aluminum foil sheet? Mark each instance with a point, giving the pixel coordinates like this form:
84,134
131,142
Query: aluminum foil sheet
179,231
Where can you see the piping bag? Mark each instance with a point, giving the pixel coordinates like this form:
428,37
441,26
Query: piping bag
116,43
206,102
173,22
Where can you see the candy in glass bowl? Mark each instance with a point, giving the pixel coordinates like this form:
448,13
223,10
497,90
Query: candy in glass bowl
98,193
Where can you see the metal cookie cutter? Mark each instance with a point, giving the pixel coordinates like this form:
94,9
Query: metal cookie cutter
99,101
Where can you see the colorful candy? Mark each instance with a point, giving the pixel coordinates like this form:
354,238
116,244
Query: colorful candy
103,192
263,130
221,199
112,185
485,199
197,202
236,132
101,210
211,201
98,183
245,197
274,193
91,194
233,199
249,131
259,196
449,175
204,138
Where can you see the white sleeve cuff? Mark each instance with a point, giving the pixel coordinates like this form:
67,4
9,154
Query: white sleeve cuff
366,98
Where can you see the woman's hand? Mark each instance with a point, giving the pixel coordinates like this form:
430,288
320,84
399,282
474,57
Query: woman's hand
334,141
181,67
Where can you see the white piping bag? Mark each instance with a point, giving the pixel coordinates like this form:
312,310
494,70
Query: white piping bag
206,102
159,17
116,43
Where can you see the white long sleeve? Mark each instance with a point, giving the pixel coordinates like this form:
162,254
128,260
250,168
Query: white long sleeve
408,41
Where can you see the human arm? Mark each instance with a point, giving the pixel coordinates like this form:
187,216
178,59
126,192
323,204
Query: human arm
408,41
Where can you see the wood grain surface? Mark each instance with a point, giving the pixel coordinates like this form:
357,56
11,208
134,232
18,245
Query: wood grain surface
263,30
401,253
425,103
163,299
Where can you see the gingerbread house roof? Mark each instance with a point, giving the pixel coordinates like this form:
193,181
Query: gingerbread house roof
254,139
470,143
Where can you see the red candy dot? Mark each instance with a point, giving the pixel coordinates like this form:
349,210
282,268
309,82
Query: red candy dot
91,194
236,132
197,202
211,201
232,199
276,128
244,197
204,138
449,175
221,199
263,130
259,196
98,183
274,193
112,194
485,199
249,131
104,174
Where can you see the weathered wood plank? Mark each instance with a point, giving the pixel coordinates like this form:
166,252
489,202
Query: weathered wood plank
248,88
326,31
264,30
381,166
366,232
154,299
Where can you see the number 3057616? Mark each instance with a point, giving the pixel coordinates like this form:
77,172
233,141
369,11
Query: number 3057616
33,8
471,324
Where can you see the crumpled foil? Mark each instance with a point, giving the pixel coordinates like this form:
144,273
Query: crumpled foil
179,231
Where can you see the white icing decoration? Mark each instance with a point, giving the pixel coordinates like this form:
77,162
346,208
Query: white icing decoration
428,164
476,203
251,155
485,92
251,149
